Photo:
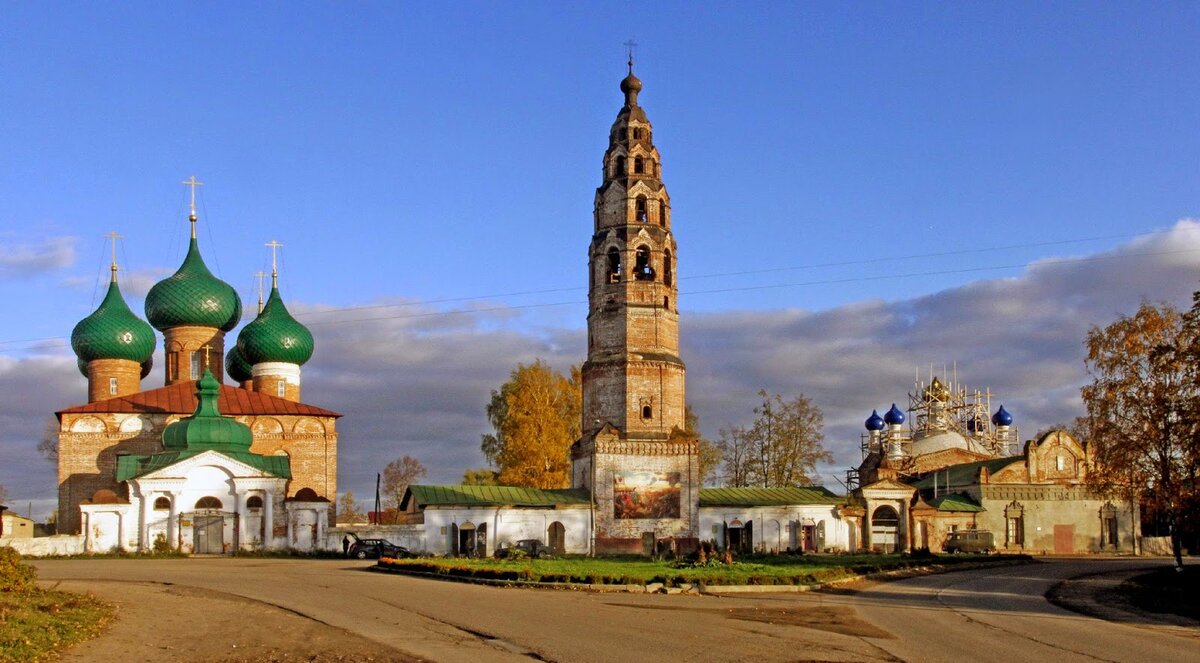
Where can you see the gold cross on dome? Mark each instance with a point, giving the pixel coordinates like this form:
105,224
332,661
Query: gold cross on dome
260,276
630,47
114,237
193,182
274,264
207,360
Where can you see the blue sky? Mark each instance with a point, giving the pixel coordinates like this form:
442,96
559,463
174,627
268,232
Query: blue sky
823,161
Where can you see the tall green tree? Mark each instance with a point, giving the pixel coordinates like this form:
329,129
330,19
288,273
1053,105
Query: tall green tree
1142,409
535,417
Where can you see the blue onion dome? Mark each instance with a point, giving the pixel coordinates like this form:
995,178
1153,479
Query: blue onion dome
974,425
874,422
275,336
894,416
193,297
1002,417
206,428
236,366
112,331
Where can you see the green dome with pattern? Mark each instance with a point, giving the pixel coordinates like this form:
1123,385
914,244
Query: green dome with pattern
236,366
192,296
112,331
206,428
275,336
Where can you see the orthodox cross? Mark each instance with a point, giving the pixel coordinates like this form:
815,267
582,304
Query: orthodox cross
207,361
193,182
114,237
274,265
630,46
260,276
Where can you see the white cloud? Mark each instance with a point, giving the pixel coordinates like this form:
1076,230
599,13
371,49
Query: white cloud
412,383
21,260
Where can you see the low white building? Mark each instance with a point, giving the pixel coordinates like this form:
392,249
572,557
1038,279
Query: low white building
205,493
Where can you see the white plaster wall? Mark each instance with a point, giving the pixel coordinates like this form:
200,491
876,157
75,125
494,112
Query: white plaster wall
409,536
775,526
506,525
62,544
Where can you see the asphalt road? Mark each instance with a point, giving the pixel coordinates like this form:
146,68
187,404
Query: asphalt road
983,615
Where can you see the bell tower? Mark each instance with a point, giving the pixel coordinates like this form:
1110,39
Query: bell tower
641,472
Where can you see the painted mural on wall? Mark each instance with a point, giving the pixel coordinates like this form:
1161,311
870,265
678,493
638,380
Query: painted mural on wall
646,495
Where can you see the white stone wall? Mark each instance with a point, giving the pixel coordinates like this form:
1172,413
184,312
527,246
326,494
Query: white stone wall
776,528
62,544
506,525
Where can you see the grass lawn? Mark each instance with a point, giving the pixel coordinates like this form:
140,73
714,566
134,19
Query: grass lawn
749,570
36,623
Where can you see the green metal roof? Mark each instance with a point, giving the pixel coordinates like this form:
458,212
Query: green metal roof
955,502
112,331
965,473
768,496
132,467
206,428
193,296
275,335
495,496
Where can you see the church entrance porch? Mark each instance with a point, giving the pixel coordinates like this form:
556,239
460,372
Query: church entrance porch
208,535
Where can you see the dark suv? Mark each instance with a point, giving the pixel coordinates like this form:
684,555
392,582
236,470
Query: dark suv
532,548
375,548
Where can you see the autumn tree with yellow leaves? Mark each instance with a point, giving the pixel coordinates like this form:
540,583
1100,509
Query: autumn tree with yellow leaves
536,415
1142,406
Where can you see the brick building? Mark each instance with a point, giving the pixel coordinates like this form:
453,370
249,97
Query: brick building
105,444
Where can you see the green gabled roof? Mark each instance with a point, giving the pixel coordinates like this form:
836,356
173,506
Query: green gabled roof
495,496
955,502
965,473
768,496
132,467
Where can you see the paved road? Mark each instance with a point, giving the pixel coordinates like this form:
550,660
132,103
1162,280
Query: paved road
984,615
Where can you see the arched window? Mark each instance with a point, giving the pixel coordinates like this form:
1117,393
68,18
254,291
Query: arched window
639,166
620,166
208,503
667,267
254,502
647,412
614,265
642,270
637,134
640,207
162,504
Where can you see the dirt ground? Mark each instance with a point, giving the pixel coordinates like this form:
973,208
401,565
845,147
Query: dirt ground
213,628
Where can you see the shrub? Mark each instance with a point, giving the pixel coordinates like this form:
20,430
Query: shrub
15,576
160,545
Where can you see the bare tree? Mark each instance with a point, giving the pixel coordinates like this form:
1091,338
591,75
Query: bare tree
48,442
349,511
781,448
398,475
736,462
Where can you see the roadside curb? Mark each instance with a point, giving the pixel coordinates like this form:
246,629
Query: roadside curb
696,589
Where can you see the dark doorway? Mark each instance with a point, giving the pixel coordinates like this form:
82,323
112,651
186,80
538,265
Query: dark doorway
558,537
208,535
467,540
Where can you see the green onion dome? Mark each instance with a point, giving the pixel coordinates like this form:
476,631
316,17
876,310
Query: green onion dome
236,366
192,296
275,336
82,365
206,428
146,366
112,331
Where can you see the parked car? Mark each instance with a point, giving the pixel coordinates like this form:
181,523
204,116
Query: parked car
970,541
531,547
376,548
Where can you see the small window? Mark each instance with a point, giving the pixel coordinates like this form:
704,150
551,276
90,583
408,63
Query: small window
112,386
667,267
195,365
1059,462
639,166
162,504
281,389
666,302
637,134
642,270
641,209
620,166
647,412
614,265
254,502
208,503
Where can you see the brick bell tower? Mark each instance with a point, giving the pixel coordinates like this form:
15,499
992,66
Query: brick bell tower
641,471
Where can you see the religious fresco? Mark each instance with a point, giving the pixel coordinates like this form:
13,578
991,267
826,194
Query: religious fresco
646,495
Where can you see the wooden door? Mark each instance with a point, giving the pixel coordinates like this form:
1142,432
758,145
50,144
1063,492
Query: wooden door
558,537
1064,539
